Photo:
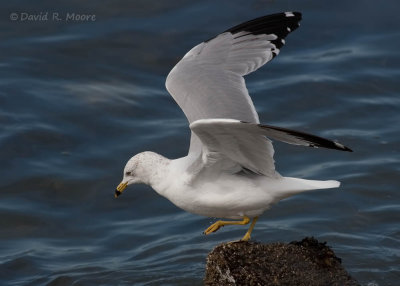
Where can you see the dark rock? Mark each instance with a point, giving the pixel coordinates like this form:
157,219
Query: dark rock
307,263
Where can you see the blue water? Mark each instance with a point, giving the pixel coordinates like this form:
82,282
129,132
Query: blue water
77,99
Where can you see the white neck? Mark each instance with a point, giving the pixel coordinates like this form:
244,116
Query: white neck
153,170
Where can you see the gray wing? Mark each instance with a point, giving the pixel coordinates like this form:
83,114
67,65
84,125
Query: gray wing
208,82
235,144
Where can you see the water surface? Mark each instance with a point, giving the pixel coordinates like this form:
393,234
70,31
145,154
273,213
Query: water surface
77,99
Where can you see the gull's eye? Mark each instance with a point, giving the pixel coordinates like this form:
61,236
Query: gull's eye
128,173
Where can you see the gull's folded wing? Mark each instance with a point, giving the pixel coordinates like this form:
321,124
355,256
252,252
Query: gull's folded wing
230,139
245,143
208,82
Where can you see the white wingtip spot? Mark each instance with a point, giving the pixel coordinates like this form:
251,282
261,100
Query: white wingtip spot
339,145
289,14
288,29
283,41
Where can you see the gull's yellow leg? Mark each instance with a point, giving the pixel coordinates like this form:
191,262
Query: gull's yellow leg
246,237
220,223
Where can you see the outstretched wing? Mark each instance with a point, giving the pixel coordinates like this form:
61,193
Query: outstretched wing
244,143
208,82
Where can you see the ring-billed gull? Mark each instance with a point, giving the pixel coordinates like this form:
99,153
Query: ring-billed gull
229,171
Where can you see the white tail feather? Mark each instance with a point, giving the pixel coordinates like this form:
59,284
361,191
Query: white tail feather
292,186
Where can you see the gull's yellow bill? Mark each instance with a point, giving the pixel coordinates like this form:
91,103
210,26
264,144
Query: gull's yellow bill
121,187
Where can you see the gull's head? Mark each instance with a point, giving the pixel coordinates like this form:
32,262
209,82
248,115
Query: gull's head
133,173
143,168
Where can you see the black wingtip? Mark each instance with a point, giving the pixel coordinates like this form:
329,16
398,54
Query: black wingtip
117,193
302,138
279,24
270,24
318,142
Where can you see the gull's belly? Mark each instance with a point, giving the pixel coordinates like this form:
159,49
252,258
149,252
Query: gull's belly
231,198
